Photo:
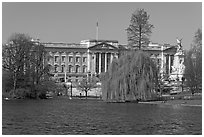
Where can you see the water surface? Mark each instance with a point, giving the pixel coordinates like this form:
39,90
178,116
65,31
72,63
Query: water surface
64,116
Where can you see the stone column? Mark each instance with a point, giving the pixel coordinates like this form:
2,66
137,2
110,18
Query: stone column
162,62
60,60
111,57
52,62
99,62
93,63
169,64
53,59
88,61
66,66
105,62
81,62
91,58
73,62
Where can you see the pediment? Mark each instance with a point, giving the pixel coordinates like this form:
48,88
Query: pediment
171,49
102,46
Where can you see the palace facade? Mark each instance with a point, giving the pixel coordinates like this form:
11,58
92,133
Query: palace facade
72,62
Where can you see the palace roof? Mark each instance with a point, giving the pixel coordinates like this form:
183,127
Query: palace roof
150,47
100,40
64,45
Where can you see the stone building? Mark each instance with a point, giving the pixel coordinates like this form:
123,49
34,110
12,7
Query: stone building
72,62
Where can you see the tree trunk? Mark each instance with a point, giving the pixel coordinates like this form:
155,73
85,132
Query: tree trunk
14,82
140,35
86,94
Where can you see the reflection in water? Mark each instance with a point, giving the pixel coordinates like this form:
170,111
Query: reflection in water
63,116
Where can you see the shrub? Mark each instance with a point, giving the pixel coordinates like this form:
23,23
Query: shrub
20,93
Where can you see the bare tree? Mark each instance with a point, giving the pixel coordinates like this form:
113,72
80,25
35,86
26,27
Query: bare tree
139,29
193,63
25,60
15,55
86,84
37,62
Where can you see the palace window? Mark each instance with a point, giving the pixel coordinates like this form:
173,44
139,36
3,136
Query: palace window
77,59
63,58
70,68
56,67
84,59
63,67
56,58
84,69
77,68
70,59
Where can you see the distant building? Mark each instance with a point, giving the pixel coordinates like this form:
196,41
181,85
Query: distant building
72,62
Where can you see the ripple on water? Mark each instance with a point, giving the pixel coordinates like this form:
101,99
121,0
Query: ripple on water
93,117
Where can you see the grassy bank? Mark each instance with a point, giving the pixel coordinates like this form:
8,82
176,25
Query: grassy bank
184,100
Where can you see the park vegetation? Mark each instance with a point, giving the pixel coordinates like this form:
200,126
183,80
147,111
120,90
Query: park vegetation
87,83
193,64
132,77
25,73
139,30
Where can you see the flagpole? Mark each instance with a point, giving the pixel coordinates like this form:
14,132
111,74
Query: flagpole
97,31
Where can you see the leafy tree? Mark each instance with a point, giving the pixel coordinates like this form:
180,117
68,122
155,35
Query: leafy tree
193,63
139,29
131,77
86,84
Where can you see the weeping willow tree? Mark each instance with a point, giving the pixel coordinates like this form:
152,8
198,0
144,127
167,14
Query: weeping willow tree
132,77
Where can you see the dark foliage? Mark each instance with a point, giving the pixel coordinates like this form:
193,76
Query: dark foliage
193,63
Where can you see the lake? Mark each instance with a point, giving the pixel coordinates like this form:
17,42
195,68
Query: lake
61,116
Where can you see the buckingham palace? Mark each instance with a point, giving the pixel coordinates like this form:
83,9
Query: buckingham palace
72,62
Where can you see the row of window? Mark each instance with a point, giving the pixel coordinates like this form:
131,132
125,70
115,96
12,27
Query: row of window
71,69
70,59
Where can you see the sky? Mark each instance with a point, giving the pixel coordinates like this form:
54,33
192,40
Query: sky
72,22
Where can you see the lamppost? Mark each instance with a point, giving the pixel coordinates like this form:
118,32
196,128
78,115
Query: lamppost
65,75
162,62
71,89
70,81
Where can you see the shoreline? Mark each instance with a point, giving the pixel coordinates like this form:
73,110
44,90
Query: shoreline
176,102
190,103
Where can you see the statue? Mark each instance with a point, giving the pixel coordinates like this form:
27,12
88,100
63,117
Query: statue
179,44
181,68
